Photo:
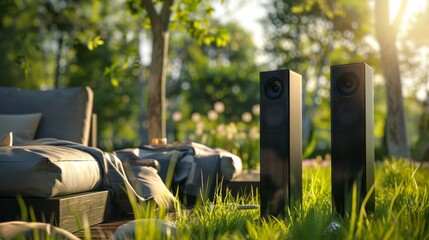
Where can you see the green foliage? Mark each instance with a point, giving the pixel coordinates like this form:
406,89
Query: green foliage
38,36
193,17
100,48
20,45
346,16
78,43
95,42
97,51
227,74
115,101
214,94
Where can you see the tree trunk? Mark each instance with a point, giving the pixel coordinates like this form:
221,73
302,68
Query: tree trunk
157,79
159,21
142,95
396,134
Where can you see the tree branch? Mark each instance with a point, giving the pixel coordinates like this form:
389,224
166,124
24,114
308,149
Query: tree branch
150,9
166,13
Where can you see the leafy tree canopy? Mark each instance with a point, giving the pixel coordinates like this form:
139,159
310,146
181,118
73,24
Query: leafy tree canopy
211,74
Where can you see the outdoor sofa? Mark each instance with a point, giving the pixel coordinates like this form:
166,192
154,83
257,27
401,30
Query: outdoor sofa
54,167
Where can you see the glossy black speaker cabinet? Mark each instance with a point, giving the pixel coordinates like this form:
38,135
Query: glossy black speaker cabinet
352,135
280,142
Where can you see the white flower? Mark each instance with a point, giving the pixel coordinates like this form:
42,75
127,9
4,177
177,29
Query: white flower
212,115
199,130
196,117
242,136
219,107
246,117
254,133
231,131
256,109
177,116
220,130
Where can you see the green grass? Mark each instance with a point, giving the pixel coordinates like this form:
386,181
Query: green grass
402,211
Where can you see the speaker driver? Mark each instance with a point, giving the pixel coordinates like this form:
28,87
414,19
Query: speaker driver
274,116
348,113
347,83
274,88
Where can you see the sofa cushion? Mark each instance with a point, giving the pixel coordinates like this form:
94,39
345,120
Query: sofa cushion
66,113
138,177
23,126
38,170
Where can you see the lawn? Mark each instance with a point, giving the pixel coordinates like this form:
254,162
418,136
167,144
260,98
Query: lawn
402,211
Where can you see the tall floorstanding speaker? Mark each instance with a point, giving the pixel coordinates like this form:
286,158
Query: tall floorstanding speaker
352,136
281,141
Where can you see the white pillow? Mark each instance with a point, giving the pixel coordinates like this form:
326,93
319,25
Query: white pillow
23,126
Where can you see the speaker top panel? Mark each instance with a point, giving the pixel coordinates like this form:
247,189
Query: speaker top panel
351,65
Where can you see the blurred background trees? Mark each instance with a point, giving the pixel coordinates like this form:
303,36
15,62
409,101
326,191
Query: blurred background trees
206,74
212,87
308,38
189,16
46,44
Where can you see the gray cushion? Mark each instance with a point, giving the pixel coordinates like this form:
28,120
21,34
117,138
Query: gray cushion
23,126
47,171
66,113
140,179
197,167
147,183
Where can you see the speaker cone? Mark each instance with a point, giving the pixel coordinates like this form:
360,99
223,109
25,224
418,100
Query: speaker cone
347,83
274,88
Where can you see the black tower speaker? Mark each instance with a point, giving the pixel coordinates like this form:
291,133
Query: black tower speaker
352,135
281,141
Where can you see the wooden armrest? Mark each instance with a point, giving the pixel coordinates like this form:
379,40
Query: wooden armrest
92,141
